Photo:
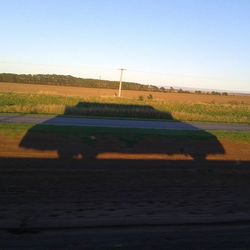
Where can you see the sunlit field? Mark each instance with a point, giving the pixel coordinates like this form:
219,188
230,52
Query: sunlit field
234,109
131,94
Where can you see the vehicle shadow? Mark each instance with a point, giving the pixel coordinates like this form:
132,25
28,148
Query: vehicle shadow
89,143
51,194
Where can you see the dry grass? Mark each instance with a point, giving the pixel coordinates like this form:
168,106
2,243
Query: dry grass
46,99
123,107
107,93
37,109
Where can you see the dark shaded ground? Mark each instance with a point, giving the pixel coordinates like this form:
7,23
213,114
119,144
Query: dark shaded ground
123,204
183,237
64,204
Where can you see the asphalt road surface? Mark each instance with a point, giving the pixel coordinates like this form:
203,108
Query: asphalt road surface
114,123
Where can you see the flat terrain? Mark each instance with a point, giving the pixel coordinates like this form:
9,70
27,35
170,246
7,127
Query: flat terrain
79,183
111,123
132,108
94,92
145,238
64,187
92,142
124,204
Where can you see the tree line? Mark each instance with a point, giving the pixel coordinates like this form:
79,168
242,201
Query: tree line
68,80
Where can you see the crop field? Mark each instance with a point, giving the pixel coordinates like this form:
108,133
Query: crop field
131,94
56,100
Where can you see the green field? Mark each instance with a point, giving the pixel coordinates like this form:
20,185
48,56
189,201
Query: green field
123,107
124,134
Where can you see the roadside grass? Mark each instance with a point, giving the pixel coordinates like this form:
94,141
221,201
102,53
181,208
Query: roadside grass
126,135
123,107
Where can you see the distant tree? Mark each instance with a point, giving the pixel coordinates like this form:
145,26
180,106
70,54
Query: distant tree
171,89
162,89
141,98
180,91
215,93
67,80
225,93
197,92
150,97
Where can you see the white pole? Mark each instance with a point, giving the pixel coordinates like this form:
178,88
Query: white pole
120,86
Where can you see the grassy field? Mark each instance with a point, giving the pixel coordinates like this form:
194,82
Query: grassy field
124,107
22,129
106,93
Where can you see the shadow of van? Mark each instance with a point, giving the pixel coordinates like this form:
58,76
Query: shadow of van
88,144
116,110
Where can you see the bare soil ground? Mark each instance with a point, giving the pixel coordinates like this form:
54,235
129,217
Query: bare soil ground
38,194
136,238
122,200
47,146
94,92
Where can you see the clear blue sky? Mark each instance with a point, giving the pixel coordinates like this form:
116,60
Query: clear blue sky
191,43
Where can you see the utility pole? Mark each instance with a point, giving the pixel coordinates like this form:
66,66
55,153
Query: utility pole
120,86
